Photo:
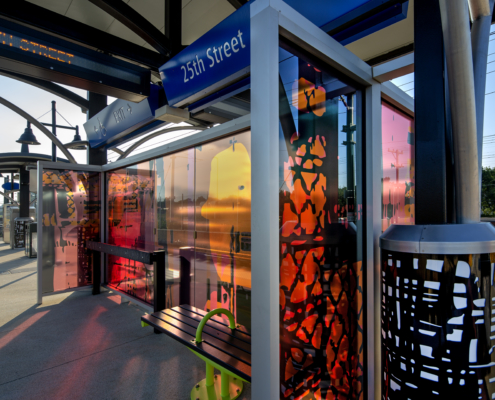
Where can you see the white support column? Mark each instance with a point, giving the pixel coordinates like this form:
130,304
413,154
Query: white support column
373,121
265,306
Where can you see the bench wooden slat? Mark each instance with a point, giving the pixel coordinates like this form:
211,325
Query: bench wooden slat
211,340
216,318
172,316
211,352
221,326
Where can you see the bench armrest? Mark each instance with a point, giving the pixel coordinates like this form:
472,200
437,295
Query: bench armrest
199,331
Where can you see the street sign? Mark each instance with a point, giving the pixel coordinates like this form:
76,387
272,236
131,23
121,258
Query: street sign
123,119
221,57
215,60
8,186
33,53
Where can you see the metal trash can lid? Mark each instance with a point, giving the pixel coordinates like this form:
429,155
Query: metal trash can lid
440,239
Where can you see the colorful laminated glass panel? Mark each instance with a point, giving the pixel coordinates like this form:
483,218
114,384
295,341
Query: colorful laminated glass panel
131,223
321,231
398,189
175,201
223,225
71,217
196,205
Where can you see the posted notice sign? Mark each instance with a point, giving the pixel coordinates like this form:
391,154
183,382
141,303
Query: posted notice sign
215,60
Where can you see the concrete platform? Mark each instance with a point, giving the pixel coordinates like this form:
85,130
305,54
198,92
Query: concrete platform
79,346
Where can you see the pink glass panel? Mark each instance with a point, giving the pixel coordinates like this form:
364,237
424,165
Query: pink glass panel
398,190
71,216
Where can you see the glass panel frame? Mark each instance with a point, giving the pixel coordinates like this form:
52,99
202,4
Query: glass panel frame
322,315
70,217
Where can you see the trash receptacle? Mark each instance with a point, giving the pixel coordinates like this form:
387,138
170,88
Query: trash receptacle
31,239
437,311
18,228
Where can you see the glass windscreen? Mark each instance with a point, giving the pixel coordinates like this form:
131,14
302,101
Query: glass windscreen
398,190
321,233
196,205
71,217
131,223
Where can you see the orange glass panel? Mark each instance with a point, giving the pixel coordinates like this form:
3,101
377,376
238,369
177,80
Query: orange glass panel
321,225
222,273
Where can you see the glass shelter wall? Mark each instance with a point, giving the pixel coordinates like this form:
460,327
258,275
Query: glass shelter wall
71,216
398,189
131,223
195,204
321,271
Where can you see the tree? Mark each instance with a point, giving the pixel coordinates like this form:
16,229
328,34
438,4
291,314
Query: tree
488,192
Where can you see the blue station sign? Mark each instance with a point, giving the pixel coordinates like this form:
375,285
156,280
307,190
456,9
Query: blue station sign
10,186
221,57
123,118
215,60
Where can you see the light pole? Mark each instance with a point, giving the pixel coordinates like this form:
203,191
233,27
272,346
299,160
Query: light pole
76,144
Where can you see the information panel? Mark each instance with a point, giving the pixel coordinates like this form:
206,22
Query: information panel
36,54
121,118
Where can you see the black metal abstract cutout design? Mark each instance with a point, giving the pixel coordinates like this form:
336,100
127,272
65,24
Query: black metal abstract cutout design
438,326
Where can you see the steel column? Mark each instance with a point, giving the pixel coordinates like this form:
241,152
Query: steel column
97,102
429,106
173,24
6,199
54,130
24,193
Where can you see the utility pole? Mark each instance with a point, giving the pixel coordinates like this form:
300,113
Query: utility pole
396,154
54,130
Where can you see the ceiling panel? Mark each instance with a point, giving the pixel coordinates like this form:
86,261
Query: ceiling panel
390,38
120,30
58,6
199,16
89,14
152,10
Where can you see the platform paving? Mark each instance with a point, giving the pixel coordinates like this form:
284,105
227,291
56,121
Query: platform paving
79,346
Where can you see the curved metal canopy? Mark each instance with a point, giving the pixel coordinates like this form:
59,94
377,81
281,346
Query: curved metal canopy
10,198
38,125
155,134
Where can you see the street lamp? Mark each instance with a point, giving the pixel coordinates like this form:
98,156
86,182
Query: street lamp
27,138
77,143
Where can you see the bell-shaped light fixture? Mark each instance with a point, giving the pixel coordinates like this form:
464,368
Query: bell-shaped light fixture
77,143
28,136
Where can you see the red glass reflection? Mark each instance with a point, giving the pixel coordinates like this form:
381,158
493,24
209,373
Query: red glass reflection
398,168
131,223
71,216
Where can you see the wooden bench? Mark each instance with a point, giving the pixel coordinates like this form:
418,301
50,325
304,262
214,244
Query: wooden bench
224,346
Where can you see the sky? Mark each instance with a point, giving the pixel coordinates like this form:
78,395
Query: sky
406,83
37,103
